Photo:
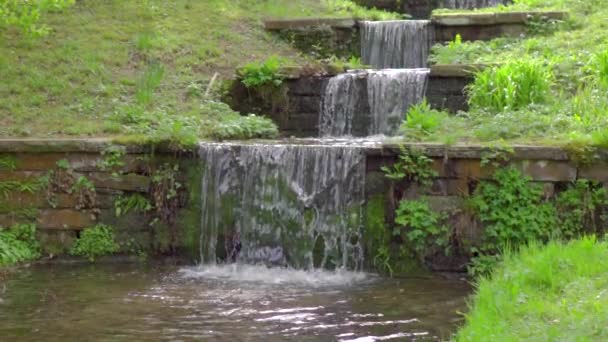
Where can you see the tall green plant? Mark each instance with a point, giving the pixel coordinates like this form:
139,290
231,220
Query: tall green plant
18,244
511,86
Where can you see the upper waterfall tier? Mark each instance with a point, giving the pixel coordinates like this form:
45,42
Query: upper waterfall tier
283,204
396,44
370,102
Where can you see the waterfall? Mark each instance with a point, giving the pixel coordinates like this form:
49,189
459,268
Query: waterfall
283,204
396,44
470,4
370,102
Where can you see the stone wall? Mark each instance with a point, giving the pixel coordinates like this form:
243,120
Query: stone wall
66,186
487,26
296,106
421,9
320,38
461,168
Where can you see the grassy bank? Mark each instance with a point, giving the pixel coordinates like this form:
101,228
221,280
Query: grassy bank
103,60
562,65
544,293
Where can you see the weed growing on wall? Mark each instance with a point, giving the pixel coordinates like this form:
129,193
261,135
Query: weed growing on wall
18,244
267,73
512,210
582,209
95,242
421,227
411,166
133,203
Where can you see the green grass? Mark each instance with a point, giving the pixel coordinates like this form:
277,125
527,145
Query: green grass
544,293
559,99
101,56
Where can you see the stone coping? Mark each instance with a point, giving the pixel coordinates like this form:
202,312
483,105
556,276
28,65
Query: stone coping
437,70
371,147
285,24
497,18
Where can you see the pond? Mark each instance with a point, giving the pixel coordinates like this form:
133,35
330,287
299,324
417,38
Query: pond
223,303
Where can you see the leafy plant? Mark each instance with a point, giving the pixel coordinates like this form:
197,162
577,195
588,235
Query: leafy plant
422,121
582,209
245,127
421,227
511,86
63,164
8,163
267,73
18,244
412,166
512,211
95,242
135,202
112,158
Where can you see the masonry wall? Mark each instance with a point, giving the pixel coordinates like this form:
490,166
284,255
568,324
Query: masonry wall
67,186
460,169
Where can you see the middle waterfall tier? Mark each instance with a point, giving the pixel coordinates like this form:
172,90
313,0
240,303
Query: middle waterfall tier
370,102
396,43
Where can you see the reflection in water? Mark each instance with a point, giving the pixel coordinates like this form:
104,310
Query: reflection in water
224,303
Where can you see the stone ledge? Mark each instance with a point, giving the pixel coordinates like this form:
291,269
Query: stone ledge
87,145
456,70
499,18
290,24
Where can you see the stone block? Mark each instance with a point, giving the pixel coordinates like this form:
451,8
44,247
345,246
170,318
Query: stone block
129,182
547,170
20,176
65,219
449,187
597,172
17,199
462,168
445,203
56,242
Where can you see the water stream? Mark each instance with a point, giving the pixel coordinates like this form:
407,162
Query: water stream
370,102
283,204
131,302
396,44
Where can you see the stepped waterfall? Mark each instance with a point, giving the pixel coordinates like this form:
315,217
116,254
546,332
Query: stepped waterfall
395,44
283,204
370,102
301,203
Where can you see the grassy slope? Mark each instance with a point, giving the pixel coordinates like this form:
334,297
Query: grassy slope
552,293
575,109
70,81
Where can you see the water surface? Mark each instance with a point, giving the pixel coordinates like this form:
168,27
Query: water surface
228,303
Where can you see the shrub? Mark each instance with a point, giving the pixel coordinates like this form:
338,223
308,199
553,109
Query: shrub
511,86
95,242
18,244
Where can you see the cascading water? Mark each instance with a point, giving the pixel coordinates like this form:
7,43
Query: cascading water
471,4
395,44
283,204
370,102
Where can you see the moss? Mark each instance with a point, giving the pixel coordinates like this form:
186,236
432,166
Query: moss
190,220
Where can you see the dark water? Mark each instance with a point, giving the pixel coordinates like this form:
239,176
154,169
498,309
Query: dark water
231,303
